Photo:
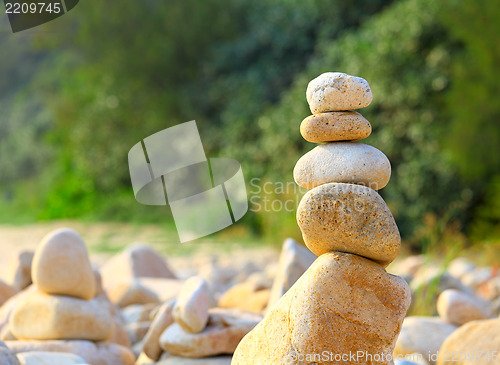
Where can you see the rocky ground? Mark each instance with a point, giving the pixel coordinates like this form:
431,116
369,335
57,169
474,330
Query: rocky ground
139,306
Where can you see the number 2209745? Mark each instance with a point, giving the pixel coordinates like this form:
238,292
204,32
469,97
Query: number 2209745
32,8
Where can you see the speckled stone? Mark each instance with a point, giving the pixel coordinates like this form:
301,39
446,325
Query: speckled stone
343,162
337,91
335,126
348,218
342,304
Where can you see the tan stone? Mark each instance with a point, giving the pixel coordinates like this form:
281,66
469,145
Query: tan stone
136,261
294,260
422,335
93,353
193,302
342,304
143,359
337,91
137,331
348,218
98,282
120,335
165,289
20,271
162,320
6,334
226,328
42,316
132,292
6,291
49,358
343,162
61,265
138,312
335,126
458,307
478,342
247,296
7,308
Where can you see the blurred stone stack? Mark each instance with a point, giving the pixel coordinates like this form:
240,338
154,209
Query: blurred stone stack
345,304
64,309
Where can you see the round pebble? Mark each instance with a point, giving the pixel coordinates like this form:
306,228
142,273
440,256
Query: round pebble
335,126
337,91
343,162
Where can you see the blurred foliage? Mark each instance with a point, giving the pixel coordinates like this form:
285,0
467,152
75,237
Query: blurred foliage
240,69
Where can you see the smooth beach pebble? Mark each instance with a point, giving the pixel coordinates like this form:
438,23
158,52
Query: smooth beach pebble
343,162
193,302
337,91
41,316
457,307
61,265
348,218
335,126
342,304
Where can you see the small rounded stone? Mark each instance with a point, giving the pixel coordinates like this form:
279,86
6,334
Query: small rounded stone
457,307
335,126
343,162
348,218
61,265
191,309
337,91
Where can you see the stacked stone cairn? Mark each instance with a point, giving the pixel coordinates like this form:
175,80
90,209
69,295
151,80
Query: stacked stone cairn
65,311
345,309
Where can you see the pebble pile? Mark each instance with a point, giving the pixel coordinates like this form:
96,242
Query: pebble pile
345,303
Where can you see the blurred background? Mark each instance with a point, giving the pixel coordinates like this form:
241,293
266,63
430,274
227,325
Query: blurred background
77,93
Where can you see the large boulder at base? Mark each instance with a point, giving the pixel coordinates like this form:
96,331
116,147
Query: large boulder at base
226,328
348,218
422,335
342,304
294,260
42,316
61,265
476,342
93,353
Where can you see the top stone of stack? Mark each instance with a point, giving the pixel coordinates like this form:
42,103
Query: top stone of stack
61,265
337,91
